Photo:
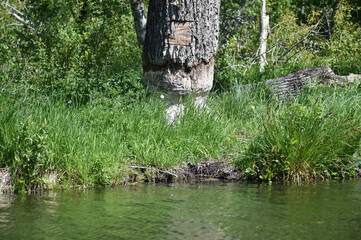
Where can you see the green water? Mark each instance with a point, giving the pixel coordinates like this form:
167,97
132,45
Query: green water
203,210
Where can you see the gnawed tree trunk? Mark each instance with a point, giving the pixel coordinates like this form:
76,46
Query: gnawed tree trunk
263,34
180,44
293,83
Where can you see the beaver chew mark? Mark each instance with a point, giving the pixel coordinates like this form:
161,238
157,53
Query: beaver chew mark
181,34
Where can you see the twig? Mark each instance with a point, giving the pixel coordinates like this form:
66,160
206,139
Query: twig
234,69
300,41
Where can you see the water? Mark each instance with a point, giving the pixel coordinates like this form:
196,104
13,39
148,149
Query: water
203,210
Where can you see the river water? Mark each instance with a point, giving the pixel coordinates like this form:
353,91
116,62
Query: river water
199,210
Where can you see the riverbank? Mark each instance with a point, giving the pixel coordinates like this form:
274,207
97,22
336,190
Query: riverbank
211,170
135,174
109,141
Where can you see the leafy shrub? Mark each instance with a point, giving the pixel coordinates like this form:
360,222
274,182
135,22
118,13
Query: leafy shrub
24,147
69,47
32,155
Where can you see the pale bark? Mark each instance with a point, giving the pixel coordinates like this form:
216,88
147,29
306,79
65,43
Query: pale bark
180,45
264,30
140,20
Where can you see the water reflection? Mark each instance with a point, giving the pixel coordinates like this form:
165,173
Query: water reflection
200,210
5,206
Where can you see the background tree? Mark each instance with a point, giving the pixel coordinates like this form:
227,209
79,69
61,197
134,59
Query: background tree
263,35
140,20
78,48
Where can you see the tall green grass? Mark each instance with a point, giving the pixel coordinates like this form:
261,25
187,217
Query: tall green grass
315,135
94,143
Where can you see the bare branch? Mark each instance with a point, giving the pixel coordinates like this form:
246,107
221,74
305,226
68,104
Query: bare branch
234,69
18,15
303,39
264,31
5,4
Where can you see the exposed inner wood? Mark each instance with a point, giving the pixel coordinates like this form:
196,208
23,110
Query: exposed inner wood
173,79
181,34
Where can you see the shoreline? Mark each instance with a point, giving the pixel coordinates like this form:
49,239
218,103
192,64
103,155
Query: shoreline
220,170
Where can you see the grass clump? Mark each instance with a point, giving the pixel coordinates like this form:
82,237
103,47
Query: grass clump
314,136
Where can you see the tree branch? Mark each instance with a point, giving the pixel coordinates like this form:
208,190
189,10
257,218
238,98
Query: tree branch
18,15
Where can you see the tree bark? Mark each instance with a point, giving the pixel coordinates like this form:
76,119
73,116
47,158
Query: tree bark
180,44
264,29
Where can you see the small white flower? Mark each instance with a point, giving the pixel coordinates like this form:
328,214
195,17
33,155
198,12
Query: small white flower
162,96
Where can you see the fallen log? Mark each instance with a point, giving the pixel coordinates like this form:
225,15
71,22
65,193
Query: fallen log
293,83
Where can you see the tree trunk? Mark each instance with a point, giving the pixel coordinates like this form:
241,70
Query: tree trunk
180,44
140,20
293,83
302,12
264,29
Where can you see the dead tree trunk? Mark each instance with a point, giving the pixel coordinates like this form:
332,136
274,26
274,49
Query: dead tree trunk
263,34
293,83
180,44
